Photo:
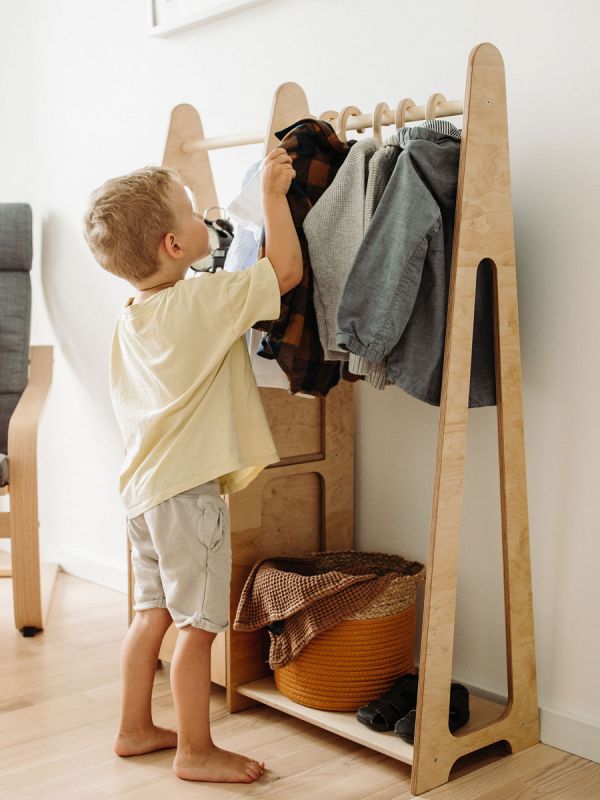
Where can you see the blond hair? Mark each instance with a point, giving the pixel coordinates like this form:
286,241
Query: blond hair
126,219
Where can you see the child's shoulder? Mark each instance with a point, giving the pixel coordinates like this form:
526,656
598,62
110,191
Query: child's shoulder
222,276
200,281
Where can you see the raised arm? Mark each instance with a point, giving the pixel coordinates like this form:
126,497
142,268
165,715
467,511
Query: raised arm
282,247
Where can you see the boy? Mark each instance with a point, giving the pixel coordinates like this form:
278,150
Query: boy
194,428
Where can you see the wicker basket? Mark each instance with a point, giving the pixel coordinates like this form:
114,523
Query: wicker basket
358,659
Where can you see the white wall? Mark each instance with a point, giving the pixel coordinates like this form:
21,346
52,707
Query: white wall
86,94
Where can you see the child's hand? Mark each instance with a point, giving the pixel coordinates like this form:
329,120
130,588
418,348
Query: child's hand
277,172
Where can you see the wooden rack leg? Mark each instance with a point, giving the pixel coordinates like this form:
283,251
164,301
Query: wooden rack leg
483,230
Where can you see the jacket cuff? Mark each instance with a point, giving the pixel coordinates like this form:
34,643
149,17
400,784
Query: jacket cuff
372,352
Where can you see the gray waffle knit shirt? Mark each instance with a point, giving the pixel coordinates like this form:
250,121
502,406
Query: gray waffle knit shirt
334,229
381,167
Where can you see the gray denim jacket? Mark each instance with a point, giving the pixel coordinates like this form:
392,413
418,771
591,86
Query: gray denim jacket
395,300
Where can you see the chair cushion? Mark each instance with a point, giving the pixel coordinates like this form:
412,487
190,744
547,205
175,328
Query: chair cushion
3,469
15,237
15,309
8,403
15,327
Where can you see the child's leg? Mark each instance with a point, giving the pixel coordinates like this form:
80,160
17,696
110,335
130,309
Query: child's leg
139,654
198,758
191,535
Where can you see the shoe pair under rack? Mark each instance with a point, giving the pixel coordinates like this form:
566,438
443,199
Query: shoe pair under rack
397,708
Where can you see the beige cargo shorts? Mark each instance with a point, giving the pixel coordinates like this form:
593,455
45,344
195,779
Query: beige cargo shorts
181,557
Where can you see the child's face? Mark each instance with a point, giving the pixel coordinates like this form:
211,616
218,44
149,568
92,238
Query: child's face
191,232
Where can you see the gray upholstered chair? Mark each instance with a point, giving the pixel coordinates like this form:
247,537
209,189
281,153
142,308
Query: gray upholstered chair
25,378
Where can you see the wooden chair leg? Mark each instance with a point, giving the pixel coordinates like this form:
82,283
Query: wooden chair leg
27,594
32,586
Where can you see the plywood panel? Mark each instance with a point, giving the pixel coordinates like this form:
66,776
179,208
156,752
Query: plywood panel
295,422
292,512
291,509
286,520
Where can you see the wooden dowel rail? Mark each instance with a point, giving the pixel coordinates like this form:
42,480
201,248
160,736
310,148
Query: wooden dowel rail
449,108
219,142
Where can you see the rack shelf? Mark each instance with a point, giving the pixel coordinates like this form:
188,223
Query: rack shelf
483,712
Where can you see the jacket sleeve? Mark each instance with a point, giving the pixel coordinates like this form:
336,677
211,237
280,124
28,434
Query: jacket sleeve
380,293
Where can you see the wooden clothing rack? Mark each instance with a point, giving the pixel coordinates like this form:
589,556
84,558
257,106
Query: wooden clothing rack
483,238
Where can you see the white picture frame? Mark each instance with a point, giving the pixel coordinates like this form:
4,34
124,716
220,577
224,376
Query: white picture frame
167,17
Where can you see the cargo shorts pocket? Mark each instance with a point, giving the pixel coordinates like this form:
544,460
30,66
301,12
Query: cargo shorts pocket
211,529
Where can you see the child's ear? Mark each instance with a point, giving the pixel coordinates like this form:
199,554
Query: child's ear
171,246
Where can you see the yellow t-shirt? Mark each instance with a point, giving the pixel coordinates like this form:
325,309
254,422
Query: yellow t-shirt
183,390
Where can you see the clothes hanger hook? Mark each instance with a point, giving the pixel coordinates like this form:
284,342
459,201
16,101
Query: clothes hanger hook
432,104
330,117
221,213
347,111
401,110
378,112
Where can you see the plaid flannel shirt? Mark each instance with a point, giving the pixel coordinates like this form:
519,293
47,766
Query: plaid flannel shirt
293,339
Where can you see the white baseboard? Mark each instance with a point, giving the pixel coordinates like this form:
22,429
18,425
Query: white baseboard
571,733
79,564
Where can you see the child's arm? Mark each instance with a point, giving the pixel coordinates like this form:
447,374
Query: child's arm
282,247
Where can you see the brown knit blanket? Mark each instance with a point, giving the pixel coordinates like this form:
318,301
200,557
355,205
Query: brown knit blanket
296,604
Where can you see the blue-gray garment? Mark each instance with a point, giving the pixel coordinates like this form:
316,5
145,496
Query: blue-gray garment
243,252
395,300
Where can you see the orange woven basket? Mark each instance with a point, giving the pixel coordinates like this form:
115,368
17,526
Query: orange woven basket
358,659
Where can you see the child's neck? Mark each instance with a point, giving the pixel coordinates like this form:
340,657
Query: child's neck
143,293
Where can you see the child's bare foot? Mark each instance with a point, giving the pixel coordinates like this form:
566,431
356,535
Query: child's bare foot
220,766
135,744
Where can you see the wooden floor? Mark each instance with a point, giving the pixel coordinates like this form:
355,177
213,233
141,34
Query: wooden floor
59,703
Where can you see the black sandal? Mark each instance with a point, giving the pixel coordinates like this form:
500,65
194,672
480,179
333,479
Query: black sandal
458,714
383,713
